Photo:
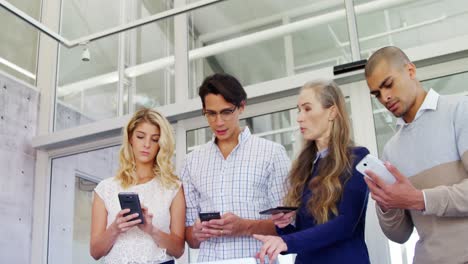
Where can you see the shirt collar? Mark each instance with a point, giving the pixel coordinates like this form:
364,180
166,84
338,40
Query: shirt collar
429,103
243,136
321,154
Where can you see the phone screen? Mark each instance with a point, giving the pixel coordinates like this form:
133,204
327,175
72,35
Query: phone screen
131,200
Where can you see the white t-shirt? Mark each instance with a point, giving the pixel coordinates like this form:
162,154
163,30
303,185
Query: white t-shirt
136,246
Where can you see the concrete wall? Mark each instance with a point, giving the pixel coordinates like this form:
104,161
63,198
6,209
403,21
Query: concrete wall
19,107
18,122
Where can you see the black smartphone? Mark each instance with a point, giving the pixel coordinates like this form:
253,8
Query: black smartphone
279,209
130,200
208,216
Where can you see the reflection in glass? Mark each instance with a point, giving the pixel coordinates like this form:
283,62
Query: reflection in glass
86,106
19,41
82,220
150,86
96,81
322,45
262,40
148,8
412,24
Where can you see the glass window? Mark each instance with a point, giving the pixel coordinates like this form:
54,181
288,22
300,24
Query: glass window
153,86
280,127
292,37
19,41
73,180
88,90
85,106
82,220
411,24
385,128
84,85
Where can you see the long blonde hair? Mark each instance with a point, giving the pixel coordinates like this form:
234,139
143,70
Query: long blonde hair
334,169
163,167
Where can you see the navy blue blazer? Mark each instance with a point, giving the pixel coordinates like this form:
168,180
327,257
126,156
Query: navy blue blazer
341,239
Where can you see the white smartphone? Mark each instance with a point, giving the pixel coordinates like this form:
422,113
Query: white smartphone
377,166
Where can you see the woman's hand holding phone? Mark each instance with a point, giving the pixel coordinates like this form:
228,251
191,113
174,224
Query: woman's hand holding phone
282,220
147,226
123,223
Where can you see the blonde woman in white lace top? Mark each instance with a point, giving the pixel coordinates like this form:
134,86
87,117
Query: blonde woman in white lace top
145,168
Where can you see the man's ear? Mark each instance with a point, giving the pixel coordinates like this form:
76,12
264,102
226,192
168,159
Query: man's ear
241,107
411,70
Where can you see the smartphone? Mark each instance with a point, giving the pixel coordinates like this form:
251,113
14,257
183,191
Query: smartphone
279,209
208,216
130,200
372,163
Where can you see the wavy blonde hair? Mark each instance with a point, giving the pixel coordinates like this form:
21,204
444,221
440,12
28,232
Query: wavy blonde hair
334,169
163,167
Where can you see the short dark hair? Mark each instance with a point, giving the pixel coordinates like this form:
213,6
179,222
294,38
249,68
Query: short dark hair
224,84
391,54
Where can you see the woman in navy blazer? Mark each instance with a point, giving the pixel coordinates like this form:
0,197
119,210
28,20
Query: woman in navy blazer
324,184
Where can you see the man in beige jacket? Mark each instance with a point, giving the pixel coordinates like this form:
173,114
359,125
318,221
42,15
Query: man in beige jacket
430,150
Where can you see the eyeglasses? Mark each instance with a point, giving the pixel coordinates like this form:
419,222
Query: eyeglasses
225,114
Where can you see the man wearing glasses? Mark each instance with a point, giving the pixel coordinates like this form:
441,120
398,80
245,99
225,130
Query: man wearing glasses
236,174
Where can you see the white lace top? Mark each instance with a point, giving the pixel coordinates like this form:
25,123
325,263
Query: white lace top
135,246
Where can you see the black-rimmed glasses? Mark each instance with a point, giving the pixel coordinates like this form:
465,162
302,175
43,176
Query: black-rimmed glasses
225,114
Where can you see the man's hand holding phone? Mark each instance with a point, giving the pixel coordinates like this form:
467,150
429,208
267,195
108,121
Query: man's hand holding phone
371,164
399,195
228,224
200,232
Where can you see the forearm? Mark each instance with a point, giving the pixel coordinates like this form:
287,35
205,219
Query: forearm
396,224
261,227
448,201
191,239
171,242
102,244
